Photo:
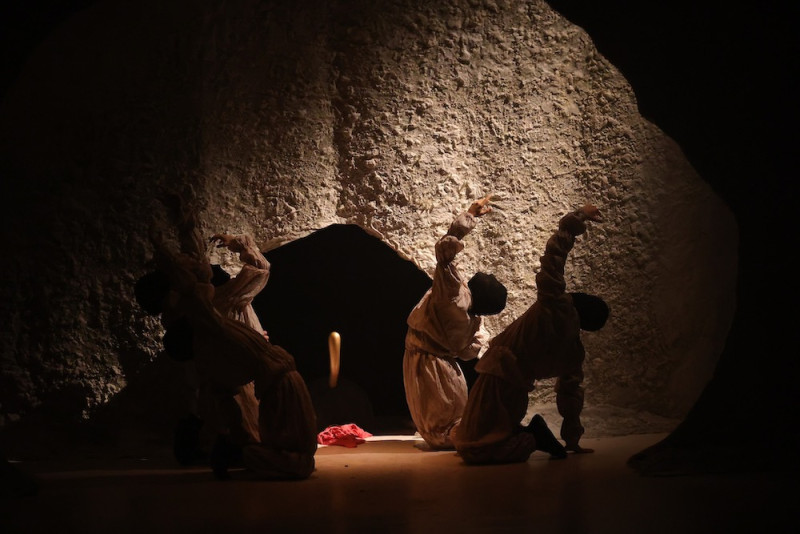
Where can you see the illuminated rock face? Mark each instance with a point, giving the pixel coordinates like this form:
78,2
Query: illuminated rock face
393,116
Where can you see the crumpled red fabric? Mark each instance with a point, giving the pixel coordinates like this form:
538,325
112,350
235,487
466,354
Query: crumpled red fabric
349,435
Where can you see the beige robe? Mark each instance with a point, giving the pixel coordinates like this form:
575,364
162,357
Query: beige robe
234,299
543,343
441,329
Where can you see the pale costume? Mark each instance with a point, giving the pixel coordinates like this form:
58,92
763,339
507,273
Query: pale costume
234,299
441,329
543,343
228,355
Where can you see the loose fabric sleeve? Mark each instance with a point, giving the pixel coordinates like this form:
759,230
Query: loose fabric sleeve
551,288
550,279
190,237
569,399
243,288
478,345
248,251
183,269
447,281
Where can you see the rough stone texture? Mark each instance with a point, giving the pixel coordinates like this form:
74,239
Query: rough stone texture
392,115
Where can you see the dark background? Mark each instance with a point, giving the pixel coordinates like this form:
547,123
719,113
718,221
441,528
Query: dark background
719,78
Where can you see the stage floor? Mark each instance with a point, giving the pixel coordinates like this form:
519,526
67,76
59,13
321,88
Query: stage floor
392,483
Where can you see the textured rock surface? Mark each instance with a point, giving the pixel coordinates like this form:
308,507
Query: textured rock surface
391,115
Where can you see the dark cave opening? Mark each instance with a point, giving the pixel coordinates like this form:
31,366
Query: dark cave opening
342,279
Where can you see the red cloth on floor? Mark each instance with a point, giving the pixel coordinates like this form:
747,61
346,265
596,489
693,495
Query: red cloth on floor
349,435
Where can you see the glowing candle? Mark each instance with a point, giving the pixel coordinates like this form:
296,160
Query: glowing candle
334,347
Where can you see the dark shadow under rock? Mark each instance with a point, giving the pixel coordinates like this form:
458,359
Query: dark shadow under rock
342,279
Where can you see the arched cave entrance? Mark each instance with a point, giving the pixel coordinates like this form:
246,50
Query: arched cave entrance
343,279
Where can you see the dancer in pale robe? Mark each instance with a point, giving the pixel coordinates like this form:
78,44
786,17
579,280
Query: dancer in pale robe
447,325
228,355
544,342
234,299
